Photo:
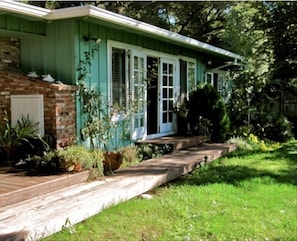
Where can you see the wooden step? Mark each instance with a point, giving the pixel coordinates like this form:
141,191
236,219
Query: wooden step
177,142
21,187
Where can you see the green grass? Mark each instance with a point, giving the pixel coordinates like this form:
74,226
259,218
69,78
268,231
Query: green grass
243,196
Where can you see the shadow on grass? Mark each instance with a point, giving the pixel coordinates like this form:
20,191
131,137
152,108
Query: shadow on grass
218,172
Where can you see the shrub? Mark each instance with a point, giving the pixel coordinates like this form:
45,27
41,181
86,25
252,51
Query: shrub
253,143
148,151
272,126
208,114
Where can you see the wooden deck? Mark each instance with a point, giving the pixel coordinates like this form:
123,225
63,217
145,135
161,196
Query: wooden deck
36,217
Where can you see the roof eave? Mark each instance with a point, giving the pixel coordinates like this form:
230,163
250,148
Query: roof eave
120,20
159,32
23,9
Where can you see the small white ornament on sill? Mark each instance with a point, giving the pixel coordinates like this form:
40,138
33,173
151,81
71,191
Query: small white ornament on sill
48,78
33,74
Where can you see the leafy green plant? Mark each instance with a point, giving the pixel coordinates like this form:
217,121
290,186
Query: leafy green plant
272,126
13,137
129,156
208,114
148,151
253,143
73,158
98,126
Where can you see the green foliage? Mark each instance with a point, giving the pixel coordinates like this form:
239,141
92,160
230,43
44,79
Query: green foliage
264,33
72,158
15,136
148,151
253,143
283,38
129,156
98,126
22,134
208,114
272,126
74,155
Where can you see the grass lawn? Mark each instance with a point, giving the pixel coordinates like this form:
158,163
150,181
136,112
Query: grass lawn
247,195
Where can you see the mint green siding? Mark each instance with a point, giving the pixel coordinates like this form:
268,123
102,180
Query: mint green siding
56,48
20,25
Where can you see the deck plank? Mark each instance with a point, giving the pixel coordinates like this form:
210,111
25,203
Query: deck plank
38,216
25,187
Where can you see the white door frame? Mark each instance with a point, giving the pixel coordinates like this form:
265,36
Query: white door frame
138,95
167,95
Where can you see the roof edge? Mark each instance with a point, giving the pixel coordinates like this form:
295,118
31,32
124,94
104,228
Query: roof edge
24,9
102,14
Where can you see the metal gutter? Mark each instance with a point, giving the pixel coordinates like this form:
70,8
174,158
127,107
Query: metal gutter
23,9
117,19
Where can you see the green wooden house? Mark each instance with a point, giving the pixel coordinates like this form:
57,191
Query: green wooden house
54,41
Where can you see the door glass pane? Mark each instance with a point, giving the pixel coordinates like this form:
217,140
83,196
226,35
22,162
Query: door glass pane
170,117
141,63
164,81
170,69
165,93
135,62
170,80
141,121
170,93
164,105
165,68
164,120
170,105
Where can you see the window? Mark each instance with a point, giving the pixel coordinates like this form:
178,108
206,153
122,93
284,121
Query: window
191,75
209,78
221,88
187,77
119,78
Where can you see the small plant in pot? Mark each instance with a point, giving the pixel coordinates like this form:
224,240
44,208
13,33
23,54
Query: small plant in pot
73,158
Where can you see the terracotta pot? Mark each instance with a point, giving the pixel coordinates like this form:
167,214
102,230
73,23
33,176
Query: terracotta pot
78,168
112,161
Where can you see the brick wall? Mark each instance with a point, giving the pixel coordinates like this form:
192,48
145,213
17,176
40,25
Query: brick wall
59,104
9,54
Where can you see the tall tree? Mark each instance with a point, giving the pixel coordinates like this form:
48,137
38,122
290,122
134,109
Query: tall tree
283,37
200,20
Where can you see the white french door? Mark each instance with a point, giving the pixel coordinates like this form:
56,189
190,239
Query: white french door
138,94
167,87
